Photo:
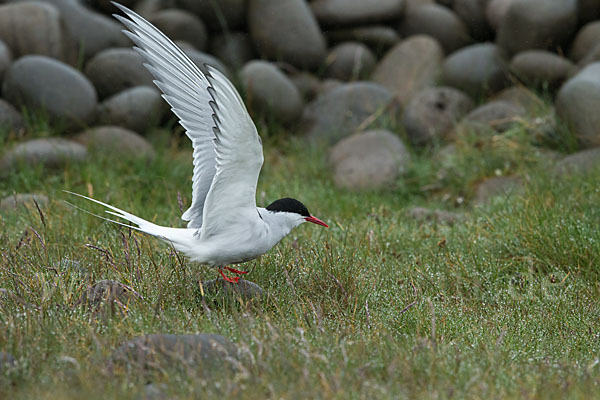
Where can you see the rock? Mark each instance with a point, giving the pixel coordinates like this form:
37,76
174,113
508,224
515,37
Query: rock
578,102
40,82
378,38
477,70
49,152
497,115
504,186
10,119
200,58
34,28
222,15
537,24
181,25
591,57
306,83
116,69
113,141
200,354
410,66
7,361
234,48
5,59
342,110
581,162
472,13
148,7
91,31
108,296
137,109
286,30
27,200
428,214
587,38
244,289
432,114
495,12
369,160
437,22
588,10
349,61
356,12
328,84
270,92
521,97
541,68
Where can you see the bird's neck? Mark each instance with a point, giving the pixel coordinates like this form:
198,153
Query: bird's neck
279,225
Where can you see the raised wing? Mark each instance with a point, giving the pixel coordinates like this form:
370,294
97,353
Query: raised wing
239,159
186,89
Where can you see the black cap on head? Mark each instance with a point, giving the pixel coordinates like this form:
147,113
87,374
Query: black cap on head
289,205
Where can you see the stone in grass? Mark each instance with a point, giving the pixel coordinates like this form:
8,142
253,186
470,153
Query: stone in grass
428,214
370,160
349,61
10,118
244,289
49,152
26,200
196,355
581,162
541,67
108,296
495,116
114,141
181,25
501,186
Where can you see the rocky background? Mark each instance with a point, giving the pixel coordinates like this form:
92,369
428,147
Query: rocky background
370,78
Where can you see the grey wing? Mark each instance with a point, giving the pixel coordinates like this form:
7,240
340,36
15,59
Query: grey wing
239,159
186,89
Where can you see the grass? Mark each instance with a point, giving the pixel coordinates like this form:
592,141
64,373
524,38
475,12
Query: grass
503,304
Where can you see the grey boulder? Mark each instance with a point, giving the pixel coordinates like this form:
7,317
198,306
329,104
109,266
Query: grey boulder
115,142
472,12
586,40
270,93
349,61
369,160
494,116
49,152
115,69
219,288
432,114
181,25
356,12
410,66
498,187
286,30
201,58
477,70
581,162
40,82
34,28
537,24
438,22
91,31
345,109
541,68
137,108
379,38
577,103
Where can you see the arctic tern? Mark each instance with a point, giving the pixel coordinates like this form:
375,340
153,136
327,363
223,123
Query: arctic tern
224,224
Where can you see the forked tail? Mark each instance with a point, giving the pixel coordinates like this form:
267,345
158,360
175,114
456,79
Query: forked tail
179,237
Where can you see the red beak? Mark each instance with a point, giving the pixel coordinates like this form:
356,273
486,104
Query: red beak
316,220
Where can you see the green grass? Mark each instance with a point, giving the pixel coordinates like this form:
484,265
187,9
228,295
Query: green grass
503,304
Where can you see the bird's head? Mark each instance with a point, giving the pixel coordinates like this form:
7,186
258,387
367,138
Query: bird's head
293,212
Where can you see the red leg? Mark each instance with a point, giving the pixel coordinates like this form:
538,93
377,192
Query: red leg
228,279
235,271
